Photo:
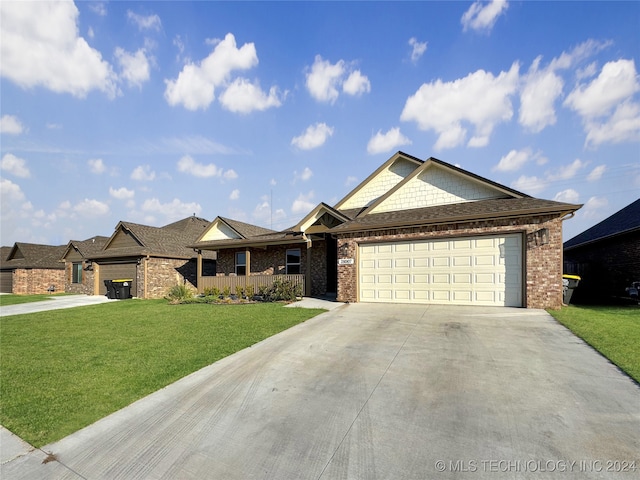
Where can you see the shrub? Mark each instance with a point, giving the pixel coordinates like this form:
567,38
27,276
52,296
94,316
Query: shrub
283,290
226,291
211,292
178,293
249,291
239,291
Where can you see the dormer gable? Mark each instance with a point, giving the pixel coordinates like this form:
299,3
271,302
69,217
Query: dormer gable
320,219
219,230
438,183
387,176
123,237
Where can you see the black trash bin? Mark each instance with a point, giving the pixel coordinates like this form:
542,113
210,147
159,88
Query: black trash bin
569,284
111,292
122,288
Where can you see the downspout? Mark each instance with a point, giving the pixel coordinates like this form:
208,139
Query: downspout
146,261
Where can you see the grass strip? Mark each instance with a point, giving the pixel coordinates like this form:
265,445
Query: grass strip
613,331
63,370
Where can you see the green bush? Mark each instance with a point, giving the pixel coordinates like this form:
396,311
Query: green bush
239,291
283,290
179,293
250,291
226,291
211,292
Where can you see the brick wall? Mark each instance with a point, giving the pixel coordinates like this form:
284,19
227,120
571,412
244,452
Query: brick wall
543,275
272,261
35,281
607,267
164,273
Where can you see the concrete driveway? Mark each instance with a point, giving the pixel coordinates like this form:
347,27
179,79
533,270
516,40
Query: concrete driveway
55,303
375,391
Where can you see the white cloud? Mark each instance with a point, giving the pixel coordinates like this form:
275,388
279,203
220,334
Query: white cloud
566,172
482,16
385,142
265,215
230,174
188,165
242,96
41,47
356,84
596,173
303,204
15,166
148,22
97,166
98,8
91,208
313,137
121,193
10,193
514,160
195,86
235,195
622,126
143,173
531,185
568,196
592,209
172,211
417,49
305,175
538,96
606,104
324,79
480,98
11,124
134,66
350,181
617,82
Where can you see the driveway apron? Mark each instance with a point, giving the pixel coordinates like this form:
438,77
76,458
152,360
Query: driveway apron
375,391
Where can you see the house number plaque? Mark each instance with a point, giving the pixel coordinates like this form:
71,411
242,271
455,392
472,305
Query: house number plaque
345,261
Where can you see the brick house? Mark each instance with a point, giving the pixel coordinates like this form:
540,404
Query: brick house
31,269
414,231
606,256
154,258
79,272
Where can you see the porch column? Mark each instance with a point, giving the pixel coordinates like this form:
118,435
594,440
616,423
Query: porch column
199,272
307,277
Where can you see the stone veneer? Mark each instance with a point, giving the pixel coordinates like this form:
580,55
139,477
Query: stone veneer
35,281
86,287
543,271
164,273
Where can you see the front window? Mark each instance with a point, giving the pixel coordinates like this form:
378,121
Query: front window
76,273
241,263
293,261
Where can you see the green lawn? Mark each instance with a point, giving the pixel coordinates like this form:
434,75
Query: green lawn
62,370
613,331
16,299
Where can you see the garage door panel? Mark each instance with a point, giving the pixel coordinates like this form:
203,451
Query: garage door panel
474,270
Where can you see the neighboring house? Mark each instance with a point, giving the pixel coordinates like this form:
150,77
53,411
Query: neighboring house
30,268
79,272
414,231
606,256
154,258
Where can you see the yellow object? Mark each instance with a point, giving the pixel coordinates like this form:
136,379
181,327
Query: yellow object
572,277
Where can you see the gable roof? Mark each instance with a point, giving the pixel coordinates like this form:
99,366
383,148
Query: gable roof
34,255
495,208
321,218
88,247
623,221
227,229
169,241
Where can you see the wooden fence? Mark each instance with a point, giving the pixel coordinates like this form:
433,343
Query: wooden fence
233,281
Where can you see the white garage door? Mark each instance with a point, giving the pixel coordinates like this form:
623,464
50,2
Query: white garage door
460,271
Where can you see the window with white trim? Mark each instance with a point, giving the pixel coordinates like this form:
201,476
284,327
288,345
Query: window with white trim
293,261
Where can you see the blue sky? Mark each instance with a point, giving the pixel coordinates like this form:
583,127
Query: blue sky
152,111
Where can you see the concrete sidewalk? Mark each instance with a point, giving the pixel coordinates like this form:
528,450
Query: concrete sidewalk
56,303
